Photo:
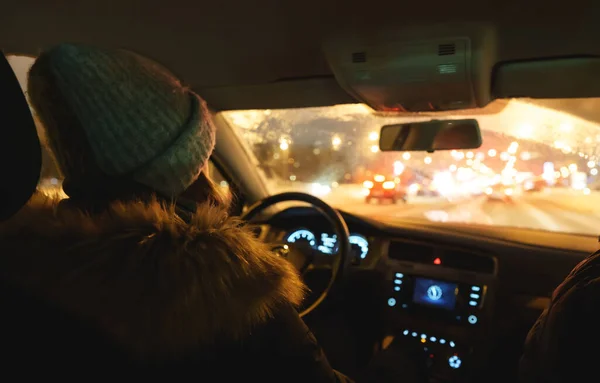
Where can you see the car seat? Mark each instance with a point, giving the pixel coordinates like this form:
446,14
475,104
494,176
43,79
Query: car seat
20,151
38,339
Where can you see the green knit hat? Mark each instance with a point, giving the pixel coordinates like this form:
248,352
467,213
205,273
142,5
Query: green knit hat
137,118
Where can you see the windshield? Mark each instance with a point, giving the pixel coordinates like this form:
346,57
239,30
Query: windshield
537,168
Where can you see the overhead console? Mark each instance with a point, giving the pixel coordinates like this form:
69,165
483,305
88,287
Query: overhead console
418,69
440,299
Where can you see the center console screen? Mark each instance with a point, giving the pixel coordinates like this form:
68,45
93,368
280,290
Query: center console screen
430,292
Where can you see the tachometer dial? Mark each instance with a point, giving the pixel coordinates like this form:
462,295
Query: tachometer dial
361,245
302,235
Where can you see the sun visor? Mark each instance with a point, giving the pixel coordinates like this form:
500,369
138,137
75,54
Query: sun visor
395,71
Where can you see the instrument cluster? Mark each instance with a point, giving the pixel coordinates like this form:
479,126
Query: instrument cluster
327,243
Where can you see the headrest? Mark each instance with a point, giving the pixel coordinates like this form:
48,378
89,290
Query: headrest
20,151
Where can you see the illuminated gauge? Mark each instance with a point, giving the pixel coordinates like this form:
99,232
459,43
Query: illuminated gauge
361,244
328,244
302,235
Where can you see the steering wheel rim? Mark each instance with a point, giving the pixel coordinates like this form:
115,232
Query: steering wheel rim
341,258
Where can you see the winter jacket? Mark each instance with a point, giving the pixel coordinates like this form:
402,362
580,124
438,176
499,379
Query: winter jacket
563,345
138,292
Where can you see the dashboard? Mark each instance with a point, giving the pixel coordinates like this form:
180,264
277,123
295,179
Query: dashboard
454,298
437,297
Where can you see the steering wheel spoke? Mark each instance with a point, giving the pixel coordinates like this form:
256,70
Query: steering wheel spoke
300,258
321,260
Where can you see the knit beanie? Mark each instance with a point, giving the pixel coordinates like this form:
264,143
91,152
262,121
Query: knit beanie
137,120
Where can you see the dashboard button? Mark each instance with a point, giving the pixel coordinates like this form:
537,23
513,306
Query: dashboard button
391,302
472,319
454,361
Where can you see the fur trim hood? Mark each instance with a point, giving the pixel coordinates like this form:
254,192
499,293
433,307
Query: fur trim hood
145,277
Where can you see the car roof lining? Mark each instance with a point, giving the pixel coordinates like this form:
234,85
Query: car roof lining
268,53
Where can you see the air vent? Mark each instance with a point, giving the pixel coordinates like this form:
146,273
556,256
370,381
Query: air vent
463,260
446,49
452,258
359,57
411,252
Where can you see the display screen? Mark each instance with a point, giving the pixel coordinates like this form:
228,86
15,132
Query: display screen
435,293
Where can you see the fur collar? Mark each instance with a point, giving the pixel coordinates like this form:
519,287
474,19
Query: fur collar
152,282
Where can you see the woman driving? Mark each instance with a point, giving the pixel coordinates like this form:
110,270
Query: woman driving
143,250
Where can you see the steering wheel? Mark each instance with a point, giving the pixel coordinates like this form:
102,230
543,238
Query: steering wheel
307,258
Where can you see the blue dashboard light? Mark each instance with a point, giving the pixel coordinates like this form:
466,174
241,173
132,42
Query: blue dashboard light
472,303
472,319
476,288
391,302
433,339
434,292
442,341
362,243
399,275
454,361
452,344
398,281
302,235
328,244
414,334
397,288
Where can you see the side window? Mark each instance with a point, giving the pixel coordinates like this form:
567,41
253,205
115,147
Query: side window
218,178
50,178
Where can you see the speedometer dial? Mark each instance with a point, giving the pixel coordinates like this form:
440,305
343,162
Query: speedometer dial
361,243
302,235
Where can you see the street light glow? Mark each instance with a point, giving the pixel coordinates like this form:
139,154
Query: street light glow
566,127
336,141
373,136
284,144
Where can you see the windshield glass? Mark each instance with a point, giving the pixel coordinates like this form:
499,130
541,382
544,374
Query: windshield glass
537,168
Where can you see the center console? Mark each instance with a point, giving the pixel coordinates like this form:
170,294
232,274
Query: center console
441,301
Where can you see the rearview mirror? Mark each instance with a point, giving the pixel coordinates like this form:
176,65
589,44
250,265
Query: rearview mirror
430,136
